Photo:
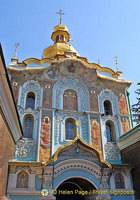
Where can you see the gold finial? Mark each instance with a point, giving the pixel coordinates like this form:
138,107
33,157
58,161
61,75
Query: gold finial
16,45
116,58
60,13
98,61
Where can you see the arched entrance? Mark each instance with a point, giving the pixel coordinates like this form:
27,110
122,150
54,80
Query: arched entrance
74,189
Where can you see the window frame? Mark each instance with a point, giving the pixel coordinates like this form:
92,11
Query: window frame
70,120
30,95
28,117
108,107
112,134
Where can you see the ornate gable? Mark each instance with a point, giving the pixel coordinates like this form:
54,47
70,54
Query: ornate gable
78,148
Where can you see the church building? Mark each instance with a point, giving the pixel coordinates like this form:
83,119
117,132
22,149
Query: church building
72,113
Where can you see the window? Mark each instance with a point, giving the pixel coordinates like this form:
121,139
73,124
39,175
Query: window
61,38
110,132
119,181
22,180
70,100
70,129
28,126
57,38
107,107
30,102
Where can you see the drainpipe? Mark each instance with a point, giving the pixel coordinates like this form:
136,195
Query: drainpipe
128,94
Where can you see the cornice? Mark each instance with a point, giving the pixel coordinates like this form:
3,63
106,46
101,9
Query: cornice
130,138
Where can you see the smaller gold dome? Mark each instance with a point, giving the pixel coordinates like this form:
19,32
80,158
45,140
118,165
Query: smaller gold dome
60,27
60,36
60,30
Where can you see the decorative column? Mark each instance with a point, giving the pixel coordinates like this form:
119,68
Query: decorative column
47,183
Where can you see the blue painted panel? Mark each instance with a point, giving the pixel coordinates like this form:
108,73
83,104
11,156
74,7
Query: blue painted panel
106,74
75,173
24,197
122,197
70,82
35,65
38,183
116,162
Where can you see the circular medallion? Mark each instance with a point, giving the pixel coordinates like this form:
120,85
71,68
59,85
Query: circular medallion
78,123
44,192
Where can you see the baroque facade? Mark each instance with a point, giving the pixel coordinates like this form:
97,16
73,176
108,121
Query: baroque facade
73,113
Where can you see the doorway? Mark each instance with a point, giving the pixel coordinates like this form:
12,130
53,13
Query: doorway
74,189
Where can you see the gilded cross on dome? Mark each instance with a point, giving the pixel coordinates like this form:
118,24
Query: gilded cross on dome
60,13
116,58
16,45
98,61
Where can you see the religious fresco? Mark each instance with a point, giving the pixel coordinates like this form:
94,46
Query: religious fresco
44,152
95,134
45,132
22,180
51,73
122,104
125,125
70,100
71,67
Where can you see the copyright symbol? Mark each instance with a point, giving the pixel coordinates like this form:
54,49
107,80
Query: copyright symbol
54,191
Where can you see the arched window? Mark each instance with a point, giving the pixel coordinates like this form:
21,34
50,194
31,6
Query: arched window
30,101
119,181
70,129
28,126
107,107
61,38
57,38
22,180
110,132
70,100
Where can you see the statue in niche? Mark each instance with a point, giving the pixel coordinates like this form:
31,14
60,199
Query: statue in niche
22,180
122,104
125,125
95,134
70,100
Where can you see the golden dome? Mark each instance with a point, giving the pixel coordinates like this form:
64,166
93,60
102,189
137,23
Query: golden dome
60,36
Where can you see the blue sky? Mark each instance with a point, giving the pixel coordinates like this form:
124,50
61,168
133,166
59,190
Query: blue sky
100,29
